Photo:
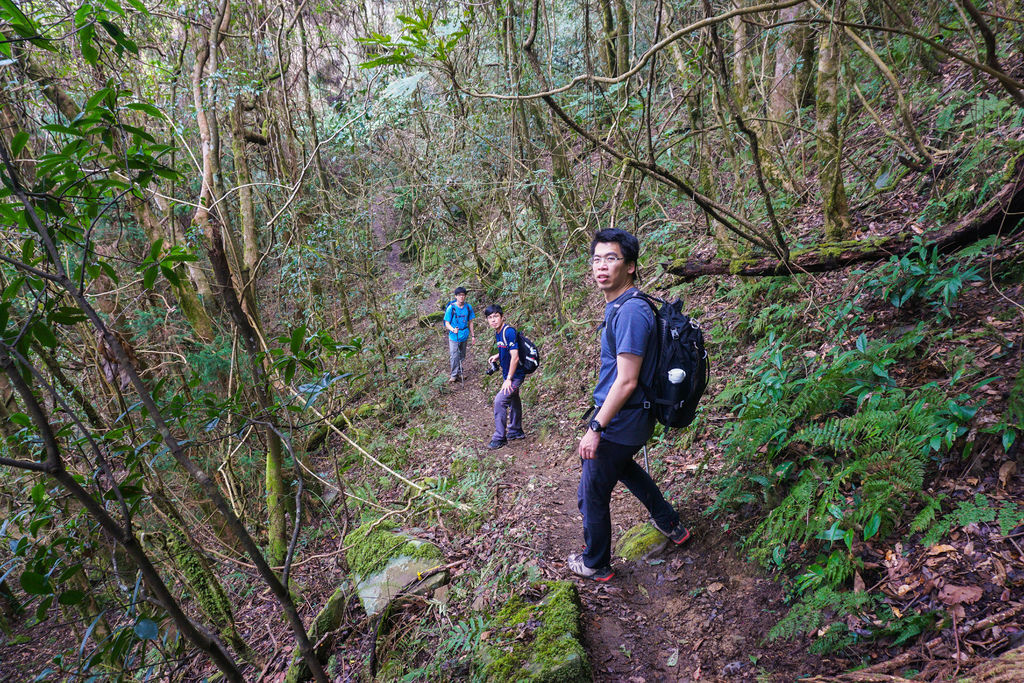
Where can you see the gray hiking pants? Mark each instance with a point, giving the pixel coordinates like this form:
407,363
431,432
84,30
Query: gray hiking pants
456,355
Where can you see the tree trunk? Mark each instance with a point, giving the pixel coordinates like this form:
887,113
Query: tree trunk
304,78
247,213
784,100
607,45
835,208
200,576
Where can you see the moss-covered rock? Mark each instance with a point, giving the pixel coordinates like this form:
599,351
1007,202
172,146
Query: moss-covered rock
640,542
385,562
536,638
327,621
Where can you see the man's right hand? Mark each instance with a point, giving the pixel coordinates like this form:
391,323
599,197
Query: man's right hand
588,445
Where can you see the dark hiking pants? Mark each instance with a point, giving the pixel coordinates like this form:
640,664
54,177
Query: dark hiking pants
614,463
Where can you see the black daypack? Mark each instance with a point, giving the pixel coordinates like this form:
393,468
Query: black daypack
676,343
529,354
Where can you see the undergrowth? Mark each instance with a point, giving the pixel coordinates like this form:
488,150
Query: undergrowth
834,439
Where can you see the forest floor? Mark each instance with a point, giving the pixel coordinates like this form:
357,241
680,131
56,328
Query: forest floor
697,612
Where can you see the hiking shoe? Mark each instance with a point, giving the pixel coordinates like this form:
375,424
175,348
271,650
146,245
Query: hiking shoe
515,437
576,566
678,534
495,444
451,380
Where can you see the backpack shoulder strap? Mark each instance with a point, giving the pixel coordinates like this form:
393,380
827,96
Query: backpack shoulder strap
637,294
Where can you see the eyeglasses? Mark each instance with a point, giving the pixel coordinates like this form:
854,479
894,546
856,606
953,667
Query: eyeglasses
611,260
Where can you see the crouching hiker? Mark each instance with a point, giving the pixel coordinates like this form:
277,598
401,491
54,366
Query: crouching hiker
508,407
621,425
458,320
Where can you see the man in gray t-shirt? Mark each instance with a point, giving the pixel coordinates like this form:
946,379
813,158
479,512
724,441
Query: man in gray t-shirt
621,425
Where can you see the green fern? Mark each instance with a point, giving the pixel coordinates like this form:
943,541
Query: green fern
926,517
818,607
1010,517
973,512
465,636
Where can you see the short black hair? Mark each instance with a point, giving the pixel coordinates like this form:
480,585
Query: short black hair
627,242
460,290
493,308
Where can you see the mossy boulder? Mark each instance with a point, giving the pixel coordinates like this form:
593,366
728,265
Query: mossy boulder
385,561
536,638
327,621
640,542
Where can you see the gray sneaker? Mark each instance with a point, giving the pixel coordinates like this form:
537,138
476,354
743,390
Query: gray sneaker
678,534
576,566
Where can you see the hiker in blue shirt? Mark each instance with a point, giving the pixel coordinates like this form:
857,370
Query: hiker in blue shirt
508,407
458,320
621,425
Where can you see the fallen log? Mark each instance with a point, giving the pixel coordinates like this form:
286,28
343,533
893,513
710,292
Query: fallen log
1002,214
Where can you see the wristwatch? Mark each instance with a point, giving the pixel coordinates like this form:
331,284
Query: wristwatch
595,426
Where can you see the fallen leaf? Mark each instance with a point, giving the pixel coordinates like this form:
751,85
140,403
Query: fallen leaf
939,549
954,595
1006,471
673,658
715,587
858,583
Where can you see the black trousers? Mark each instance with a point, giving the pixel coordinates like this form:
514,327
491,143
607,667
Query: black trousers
614,463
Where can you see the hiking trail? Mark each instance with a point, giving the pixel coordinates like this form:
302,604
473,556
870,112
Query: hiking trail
695,612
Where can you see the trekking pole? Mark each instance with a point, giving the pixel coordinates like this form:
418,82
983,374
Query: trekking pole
647,465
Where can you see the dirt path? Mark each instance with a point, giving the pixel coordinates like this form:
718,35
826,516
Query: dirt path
691,613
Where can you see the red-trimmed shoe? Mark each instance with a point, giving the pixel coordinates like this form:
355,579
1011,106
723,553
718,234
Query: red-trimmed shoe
576,566
678,534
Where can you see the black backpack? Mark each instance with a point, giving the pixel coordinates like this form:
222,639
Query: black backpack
529,354
677,342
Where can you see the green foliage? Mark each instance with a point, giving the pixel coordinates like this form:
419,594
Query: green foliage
766,305
822,606
918,274
828,613
832,450
979,510
423,37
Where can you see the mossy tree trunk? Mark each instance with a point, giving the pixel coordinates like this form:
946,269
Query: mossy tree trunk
200,577
230,277
835,208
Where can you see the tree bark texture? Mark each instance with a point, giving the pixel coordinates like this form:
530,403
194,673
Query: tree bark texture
784,100
835,209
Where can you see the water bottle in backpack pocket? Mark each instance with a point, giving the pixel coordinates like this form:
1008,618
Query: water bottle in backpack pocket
681,368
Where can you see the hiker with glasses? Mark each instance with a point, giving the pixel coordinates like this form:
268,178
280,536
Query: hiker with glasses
621,425
458,320
508,407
